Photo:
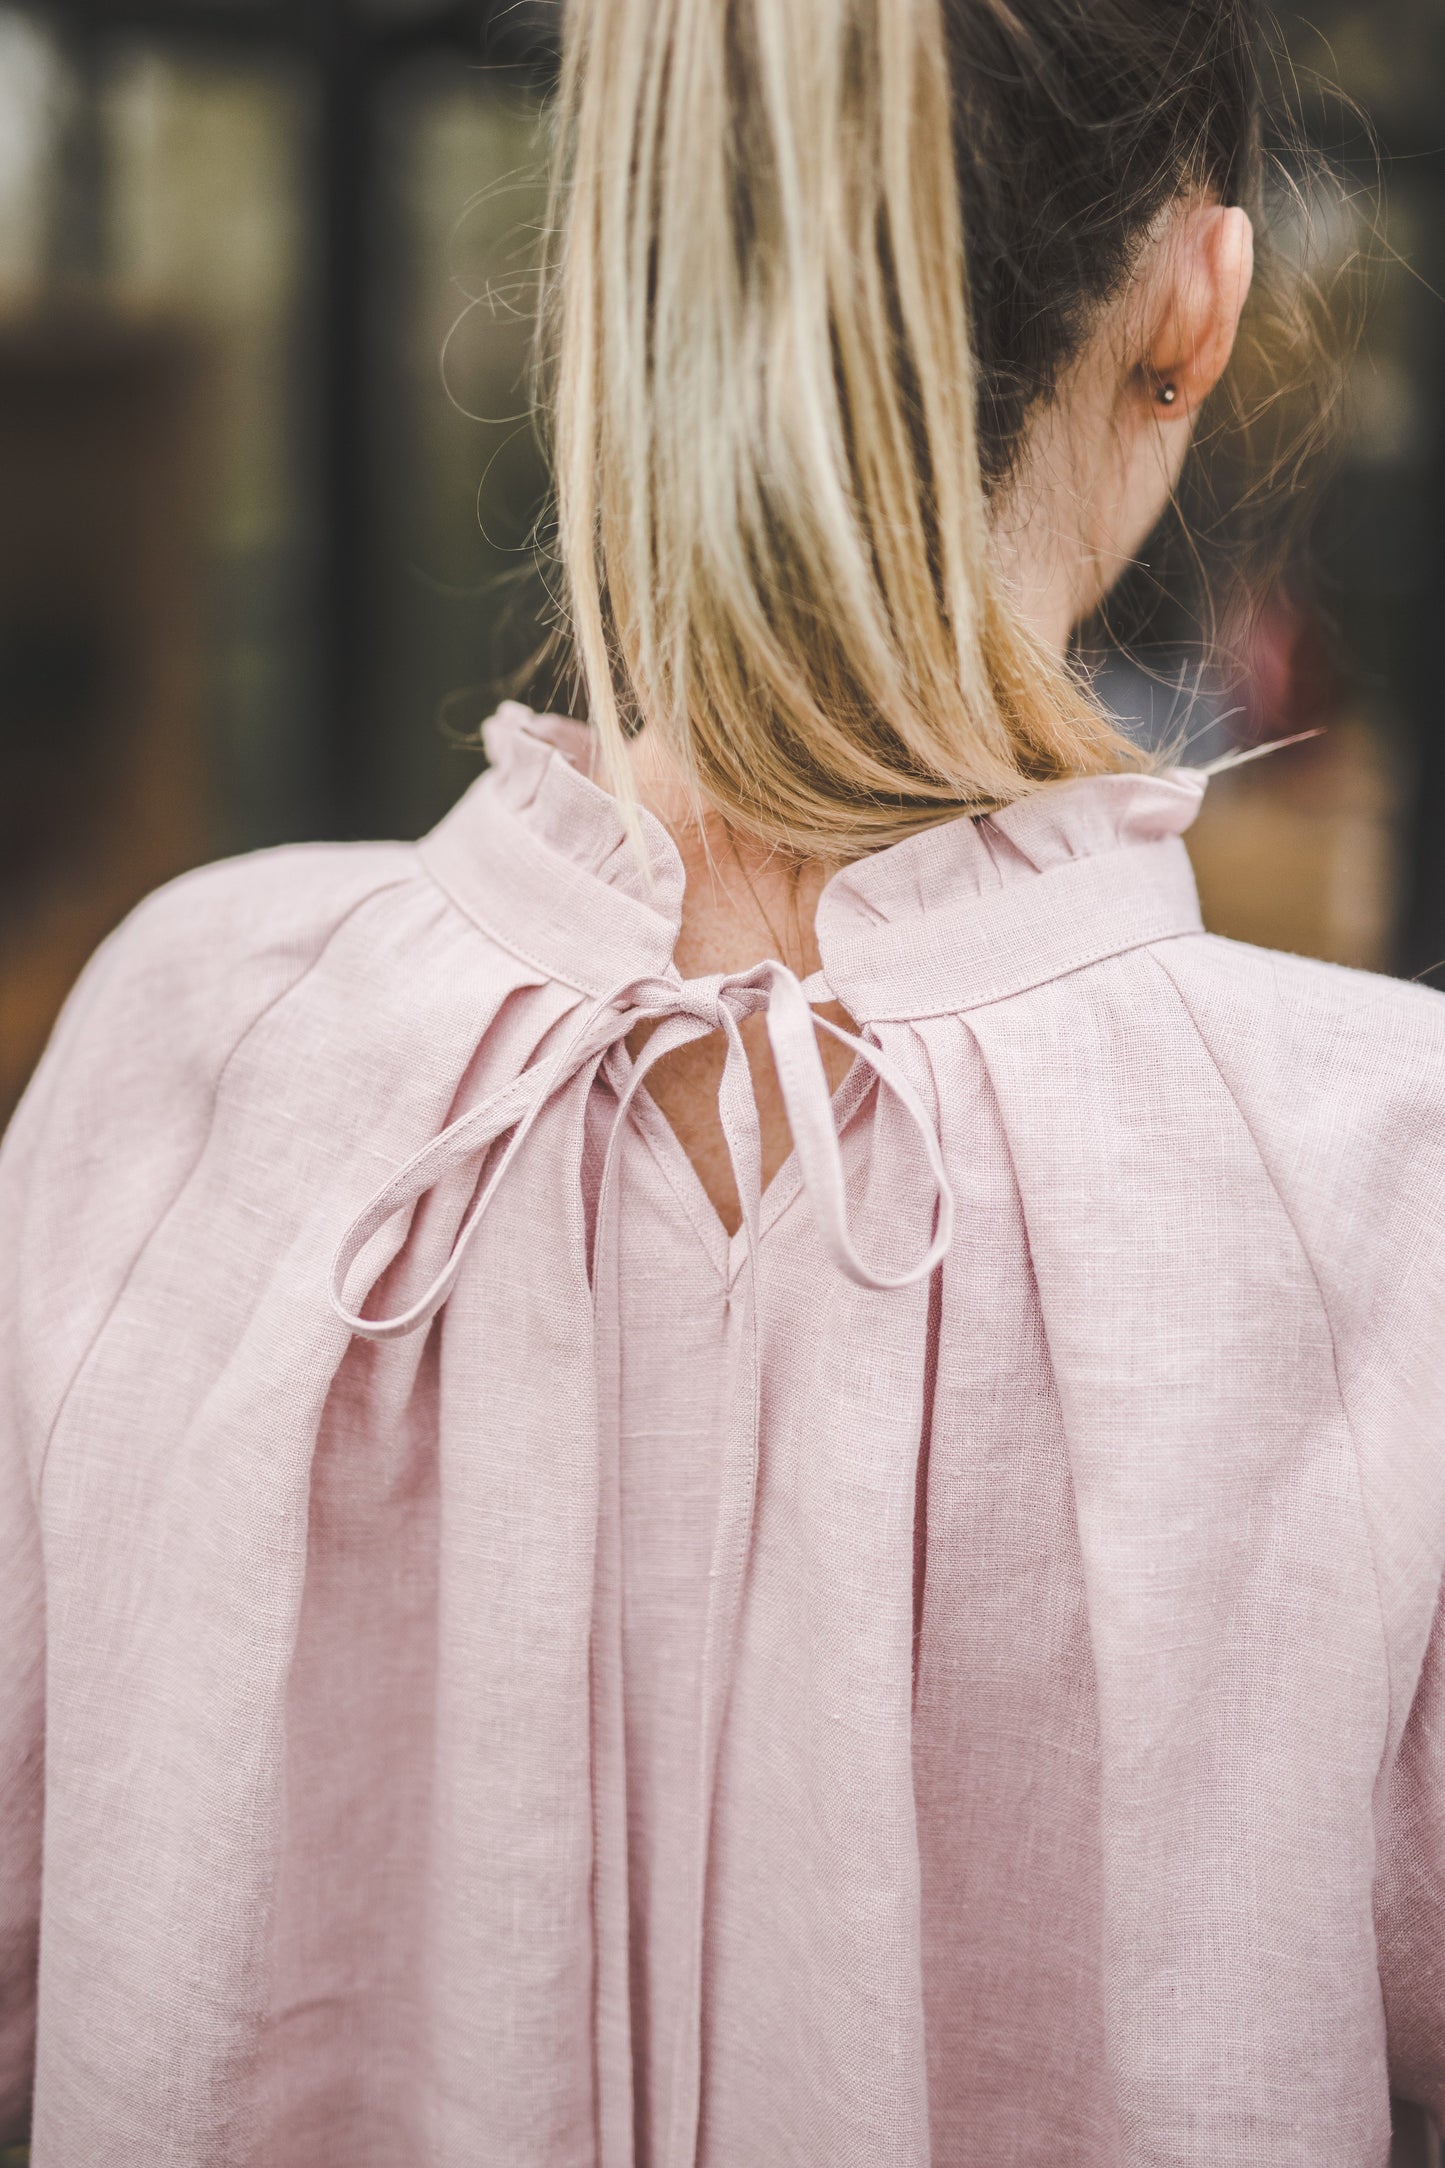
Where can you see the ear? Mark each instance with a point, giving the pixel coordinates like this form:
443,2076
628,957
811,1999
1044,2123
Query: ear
1204,278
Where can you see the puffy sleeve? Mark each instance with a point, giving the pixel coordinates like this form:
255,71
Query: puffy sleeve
22,1595
113,1122
1410,1899
22,1654
58,1274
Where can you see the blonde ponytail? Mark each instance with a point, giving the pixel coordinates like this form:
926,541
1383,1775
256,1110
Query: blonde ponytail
772,519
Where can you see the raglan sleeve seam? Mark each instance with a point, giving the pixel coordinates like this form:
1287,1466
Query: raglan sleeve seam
274,1000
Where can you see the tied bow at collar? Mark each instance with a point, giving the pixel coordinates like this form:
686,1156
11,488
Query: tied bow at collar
685,1009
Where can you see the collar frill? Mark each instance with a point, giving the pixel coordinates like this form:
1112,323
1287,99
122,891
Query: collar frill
968,912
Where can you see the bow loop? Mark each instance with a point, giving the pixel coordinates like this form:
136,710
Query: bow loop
792,1033
464,1142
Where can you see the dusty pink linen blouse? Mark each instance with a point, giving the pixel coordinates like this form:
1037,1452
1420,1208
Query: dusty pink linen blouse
645,1696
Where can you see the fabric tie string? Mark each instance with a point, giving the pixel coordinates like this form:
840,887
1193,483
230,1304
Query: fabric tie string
684,1010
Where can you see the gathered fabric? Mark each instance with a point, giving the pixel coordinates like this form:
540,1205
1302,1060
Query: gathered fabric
500,1669
687,1010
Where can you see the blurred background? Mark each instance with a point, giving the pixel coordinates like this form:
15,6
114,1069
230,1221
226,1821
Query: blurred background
267,483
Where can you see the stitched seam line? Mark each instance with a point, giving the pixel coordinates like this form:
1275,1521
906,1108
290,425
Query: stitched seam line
1129,946
282,994
474,917
1293,1225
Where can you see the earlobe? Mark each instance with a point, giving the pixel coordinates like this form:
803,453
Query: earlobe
1163,394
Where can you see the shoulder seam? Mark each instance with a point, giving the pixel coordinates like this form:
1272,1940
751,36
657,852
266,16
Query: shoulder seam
1304,1250
545,972
282,993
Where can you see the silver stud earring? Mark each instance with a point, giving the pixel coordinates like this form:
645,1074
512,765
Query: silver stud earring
1167,395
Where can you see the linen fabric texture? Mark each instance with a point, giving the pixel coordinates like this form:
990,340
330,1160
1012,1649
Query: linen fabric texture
677,1702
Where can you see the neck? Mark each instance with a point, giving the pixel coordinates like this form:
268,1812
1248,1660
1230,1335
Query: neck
1038,557
743,901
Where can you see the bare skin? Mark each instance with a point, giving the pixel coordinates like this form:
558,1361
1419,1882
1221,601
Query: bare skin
741,904
1096,477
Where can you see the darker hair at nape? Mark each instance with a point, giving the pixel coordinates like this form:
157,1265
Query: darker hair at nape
1077,122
